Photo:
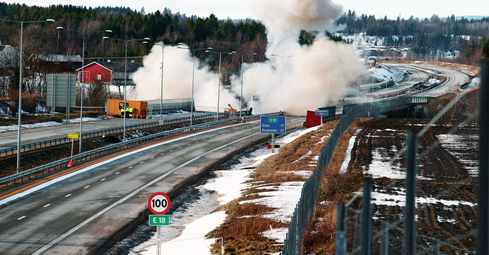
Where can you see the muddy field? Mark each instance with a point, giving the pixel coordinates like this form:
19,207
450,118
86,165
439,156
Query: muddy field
447,188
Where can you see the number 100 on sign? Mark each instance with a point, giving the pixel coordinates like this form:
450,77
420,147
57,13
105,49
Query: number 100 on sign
159,203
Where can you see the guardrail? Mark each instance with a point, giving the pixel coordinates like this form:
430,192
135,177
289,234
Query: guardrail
53,166
64,140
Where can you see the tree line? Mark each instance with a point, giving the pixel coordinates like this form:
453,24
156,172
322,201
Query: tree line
424,36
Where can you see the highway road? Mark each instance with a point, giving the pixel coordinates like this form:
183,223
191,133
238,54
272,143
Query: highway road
9,139
75,213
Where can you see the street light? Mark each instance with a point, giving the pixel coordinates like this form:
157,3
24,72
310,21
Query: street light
281,75
83,76
161,90
193,71
219,86
241,97
20,79
125,75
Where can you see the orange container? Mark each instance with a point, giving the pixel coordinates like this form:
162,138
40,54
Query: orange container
114,107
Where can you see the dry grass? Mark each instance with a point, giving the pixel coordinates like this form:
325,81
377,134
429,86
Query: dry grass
245,221
320,236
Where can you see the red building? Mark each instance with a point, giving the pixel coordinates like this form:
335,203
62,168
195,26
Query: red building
108,72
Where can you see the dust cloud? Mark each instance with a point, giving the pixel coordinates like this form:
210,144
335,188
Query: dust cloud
312,76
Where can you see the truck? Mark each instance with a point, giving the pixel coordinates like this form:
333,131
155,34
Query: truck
113,107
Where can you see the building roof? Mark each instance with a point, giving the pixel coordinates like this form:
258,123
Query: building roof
60,58
117,66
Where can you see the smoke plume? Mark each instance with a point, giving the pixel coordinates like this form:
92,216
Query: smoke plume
295,78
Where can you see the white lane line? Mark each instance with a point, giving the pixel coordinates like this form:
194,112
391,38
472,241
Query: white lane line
152,157
46,205
130,167
141,162
86,187
106,209
171,150
21,218
68,195
117,173
180,147
103,179
196,142
162,154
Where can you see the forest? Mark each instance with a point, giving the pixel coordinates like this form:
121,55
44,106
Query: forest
422,36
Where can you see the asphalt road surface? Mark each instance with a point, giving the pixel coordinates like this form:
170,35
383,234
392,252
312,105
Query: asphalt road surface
76,214
28,136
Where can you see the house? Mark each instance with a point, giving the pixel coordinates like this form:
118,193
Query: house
9,56
54,63
108,72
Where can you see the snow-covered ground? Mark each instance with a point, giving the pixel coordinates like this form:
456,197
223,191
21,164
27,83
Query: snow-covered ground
380,168
227,186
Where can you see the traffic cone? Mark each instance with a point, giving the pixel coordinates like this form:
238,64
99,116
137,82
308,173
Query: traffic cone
70,164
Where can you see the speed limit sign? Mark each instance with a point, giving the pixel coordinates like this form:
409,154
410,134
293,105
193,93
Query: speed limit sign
159,203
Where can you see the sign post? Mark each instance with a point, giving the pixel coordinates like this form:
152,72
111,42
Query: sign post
272,125
159,203
73,136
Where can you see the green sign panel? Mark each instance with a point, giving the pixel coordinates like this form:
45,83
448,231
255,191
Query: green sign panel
272,120
159,220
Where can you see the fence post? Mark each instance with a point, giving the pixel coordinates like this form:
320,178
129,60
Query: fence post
483,192
341,230
366,217
436,247
410,210
384,238
223,249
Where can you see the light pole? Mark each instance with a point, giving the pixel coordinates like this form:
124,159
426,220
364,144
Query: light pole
241,96
161,90
193,72
125,75
281,75
219,86
83,76
20,80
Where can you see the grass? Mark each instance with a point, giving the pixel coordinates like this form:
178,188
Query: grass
246,221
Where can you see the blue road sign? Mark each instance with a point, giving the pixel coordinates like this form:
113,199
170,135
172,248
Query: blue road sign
272,124
322,112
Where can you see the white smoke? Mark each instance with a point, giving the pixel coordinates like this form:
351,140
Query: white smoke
311,75
177,80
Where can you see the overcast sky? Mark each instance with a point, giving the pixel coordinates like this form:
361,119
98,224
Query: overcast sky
243,8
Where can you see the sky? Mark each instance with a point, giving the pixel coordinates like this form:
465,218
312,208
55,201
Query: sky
241,9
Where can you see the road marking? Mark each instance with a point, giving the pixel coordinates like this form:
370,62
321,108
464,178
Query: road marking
117,173
126,197
188,145
103,179
152,157
179,147
141,162
171,150
162,154
130,167
14,195
196,142
21,218
88,186
69,195
46,205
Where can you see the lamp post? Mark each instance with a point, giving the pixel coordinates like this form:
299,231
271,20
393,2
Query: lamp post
219,86
193,72
241,96
20,80
281,75
161,90
83,76
125,75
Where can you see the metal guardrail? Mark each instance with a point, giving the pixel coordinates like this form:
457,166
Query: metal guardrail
53,166
64,140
